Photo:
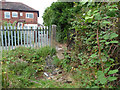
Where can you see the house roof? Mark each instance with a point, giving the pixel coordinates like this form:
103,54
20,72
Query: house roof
16,6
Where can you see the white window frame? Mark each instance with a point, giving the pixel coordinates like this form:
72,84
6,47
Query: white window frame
21,14
5,15
27,15
15,13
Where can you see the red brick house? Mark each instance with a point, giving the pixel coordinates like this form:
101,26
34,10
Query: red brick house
20,13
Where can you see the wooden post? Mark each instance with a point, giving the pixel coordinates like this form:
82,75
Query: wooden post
53,36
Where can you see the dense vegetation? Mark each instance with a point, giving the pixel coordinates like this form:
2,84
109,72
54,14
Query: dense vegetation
22,67
59,14
95,55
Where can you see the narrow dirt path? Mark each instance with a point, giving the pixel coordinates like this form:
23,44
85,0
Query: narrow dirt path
60,48
56,73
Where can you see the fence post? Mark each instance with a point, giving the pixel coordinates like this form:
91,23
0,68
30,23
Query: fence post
5,29
2,37
53,36
1,40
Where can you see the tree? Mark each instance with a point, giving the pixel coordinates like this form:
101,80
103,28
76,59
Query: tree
59,14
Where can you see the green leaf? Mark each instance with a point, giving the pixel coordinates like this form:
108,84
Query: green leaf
95,22
107,43
112,71
106,17
84,2
93,60
112,78
113,35
113,41
89,13
95,87
112,6
97,16
106,22
101,77
111,59
113,9
108,63
106,36
93,55
105,71
102,40
87,17
95,11
104,58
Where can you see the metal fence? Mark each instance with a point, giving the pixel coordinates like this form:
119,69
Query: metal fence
12,37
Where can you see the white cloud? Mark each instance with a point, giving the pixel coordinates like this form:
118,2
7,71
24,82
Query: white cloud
40,5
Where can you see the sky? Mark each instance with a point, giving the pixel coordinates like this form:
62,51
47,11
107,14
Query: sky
40,5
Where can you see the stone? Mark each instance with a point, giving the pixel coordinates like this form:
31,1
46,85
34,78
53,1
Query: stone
60,72
49,78
53,77
68,81
54,73
60,49
60,80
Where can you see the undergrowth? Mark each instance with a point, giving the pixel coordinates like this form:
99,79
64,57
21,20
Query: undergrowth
22,65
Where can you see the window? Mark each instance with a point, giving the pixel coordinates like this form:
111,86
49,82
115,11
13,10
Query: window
7,15
29,15
14,14
21,14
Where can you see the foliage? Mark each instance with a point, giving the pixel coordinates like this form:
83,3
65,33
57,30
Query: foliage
95,54
22,65
58,13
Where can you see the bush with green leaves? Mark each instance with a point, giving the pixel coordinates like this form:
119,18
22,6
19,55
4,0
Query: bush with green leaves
96,48
59,14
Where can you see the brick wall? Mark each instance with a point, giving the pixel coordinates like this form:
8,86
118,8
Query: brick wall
21,18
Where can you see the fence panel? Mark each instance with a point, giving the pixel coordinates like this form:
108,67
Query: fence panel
24,36
8,39
18,36
38,37
12,37
33,37
5,38
21,36
15,36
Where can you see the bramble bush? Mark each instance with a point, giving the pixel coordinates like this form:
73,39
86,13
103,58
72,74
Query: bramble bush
95,54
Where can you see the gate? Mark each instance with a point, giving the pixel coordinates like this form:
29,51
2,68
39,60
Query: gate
13,37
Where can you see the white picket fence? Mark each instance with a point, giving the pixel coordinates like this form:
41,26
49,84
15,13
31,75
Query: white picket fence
12,37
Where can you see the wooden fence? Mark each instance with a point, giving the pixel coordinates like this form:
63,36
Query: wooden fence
12,37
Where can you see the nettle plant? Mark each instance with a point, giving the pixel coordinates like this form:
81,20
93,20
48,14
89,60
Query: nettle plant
96,41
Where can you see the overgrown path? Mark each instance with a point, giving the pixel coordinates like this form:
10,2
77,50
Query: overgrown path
34,68
56,73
